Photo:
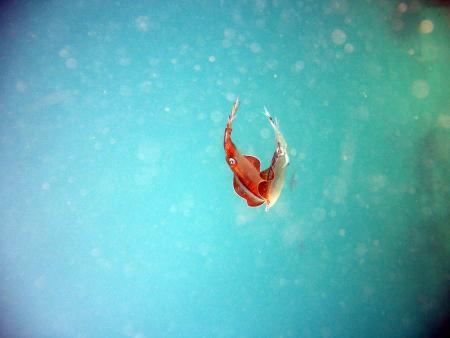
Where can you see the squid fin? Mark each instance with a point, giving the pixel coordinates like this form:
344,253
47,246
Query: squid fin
251,200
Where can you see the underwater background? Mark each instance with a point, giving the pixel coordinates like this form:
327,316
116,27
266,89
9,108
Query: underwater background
118,216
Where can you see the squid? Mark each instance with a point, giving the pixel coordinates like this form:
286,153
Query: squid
255,186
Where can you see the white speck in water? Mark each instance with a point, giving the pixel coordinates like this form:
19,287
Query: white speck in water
260,23
128,330
348,48
361,249
336,190
243,217
173,208
95,252
241,38
291,234
212,58
338,36
39,283
319,214
368,291
124,61
293,152
71,63
242,70
125,90
139,335
149,151
265,133
345,157
298,66
211,150
186,204
377,182
65,52
144,175
197,68
128,269
142,23
342,232
21,86
154,62
406,322
443,121
272,64
226,43
420,89
255,47
325,332
282,282
231,97
402,7
229,33
45,186
167,109
145,86
216,116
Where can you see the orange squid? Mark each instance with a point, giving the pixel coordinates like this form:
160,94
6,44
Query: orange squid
249,182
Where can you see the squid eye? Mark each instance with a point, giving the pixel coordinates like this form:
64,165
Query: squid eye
231,161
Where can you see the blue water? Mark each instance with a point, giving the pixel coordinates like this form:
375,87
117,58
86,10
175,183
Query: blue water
118,216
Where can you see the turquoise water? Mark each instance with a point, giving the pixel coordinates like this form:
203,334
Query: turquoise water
118,216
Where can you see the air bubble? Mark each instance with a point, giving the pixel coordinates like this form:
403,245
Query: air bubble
142,23
338,36
64,53
255,47
265,133
348,48
71,63
216,116
402,7
298,66
420,89
426,26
